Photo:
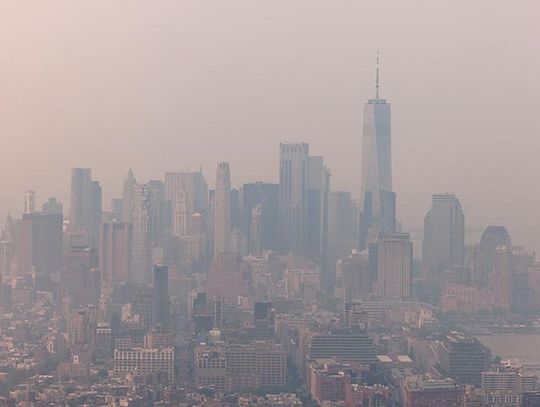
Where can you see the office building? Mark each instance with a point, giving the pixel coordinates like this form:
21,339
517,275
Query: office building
222,210
340,232
353,277
115,251
293,171
462,358
376,193
444,236
160,306
52,206
85,209
191,183
347,345
155,362
141,251
127,193
80,277
394,266
493,237
501,279
427,392
264,197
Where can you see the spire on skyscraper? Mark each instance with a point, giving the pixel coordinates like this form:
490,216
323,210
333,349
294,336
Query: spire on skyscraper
377,78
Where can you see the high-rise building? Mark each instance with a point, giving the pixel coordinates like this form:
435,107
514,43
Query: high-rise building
127,192
493,237
222,210
340,231
293,180
193,185
52,206
182,215
377,196
394,266
353,277
47,241
158,221
160,306
267,196
141,214
29,202
80,276
115,252
501,279
444,235
85,209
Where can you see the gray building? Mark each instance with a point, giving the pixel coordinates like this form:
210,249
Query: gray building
394,266
293,180
493,237
444,235
377,197
222,210
85,209
141,219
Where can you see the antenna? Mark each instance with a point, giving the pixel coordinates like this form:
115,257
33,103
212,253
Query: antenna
377,78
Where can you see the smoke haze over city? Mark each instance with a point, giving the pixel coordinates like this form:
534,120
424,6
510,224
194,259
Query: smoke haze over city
165,86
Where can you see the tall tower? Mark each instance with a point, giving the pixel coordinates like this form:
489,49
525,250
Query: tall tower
293,179
493,237
160,306
502,278
444,235
129,182
85,210
377,197
141,213
182,215
222,210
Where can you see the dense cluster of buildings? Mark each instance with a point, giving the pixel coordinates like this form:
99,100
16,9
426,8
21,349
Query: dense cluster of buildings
271,294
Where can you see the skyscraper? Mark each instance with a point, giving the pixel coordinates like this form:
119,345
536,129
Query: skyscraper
444,235
293,178
502,278
394,267
191,183
85,209
47,242
115,252
340,237
267,196
127,192
377,196
160,306
222,210
141,252
493,237
182,215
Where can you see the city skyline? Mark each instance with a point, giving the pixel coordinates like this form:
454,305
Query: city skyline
448,99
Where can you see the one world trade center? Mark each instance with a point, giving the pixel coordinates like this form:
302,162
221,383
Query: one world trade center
378,199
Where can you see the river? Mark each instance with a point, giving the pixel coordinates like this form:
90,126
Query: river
525,347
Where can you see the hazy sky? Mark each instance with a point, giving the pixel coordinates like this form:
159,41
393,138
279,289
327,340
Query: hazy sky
165,85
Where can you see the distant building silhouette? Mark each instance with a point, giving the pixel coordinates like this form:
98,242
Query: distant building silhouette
493,237
85,209
444,235
222,210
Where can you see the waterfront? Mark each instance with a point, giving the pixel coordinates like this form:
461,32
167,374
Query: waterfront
525,347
